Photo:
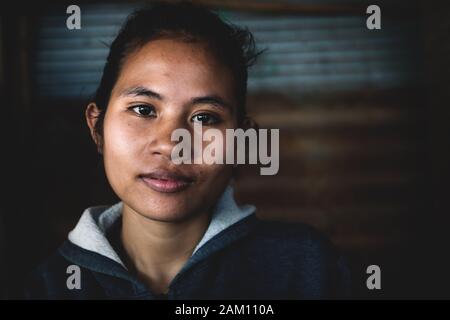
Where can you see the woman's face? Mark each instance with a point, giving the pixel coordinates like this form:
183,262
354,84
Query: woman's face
165,85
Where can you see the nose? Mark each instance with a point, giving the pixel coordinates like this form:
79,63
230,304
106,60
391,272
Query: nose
161,145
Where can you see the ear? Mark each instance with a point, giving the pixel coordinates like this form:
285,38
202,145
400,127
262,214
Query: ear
92,116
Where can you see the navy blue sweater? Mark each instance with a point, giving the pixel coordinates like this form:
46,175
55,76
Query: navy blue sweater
251,259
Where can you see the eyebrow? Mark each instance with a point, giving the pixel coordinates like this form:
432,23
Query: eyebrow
212,99
141,91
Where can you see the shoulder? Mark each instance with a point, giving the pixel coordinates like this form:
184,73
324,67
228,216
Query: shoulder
49,279
292,235
304,251
44,277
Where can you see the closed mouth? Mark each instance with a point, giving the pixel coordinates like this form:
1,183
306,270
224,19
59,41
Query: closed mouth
166,181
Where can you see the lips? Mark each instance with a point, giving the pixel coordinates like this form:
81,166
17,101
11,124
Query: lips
166,181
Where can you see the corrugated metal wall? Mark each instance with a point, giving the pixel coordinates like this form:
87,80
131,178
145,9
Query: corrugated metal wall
305,53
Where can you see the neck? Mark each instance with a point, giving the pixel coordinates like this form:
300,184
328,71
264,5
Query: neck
158,250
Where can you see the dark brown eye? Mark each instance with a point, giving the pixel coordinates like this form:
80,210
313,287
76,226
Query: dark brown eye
144,110
205,118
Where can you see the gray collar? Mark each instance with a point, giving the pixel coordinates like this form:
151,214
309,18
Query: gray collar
90,231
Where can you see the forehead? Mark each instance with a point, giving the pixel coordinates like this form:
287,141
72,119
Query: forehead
176,67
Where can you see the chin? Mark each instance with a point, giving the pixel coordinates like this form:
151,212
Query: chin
173,217
167,211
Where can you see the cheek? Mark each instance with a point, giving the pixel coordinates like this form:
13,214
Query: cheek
120,150
215,174
118,136
214,180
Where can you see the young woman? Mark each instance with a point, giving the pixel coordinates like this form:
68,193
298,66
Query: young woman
177,232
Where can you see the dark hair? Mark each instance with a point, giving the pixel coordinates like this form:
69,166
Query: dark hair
233,46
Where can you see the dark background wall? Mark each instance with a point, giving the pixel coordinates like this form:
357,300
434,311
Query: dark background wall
363,119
